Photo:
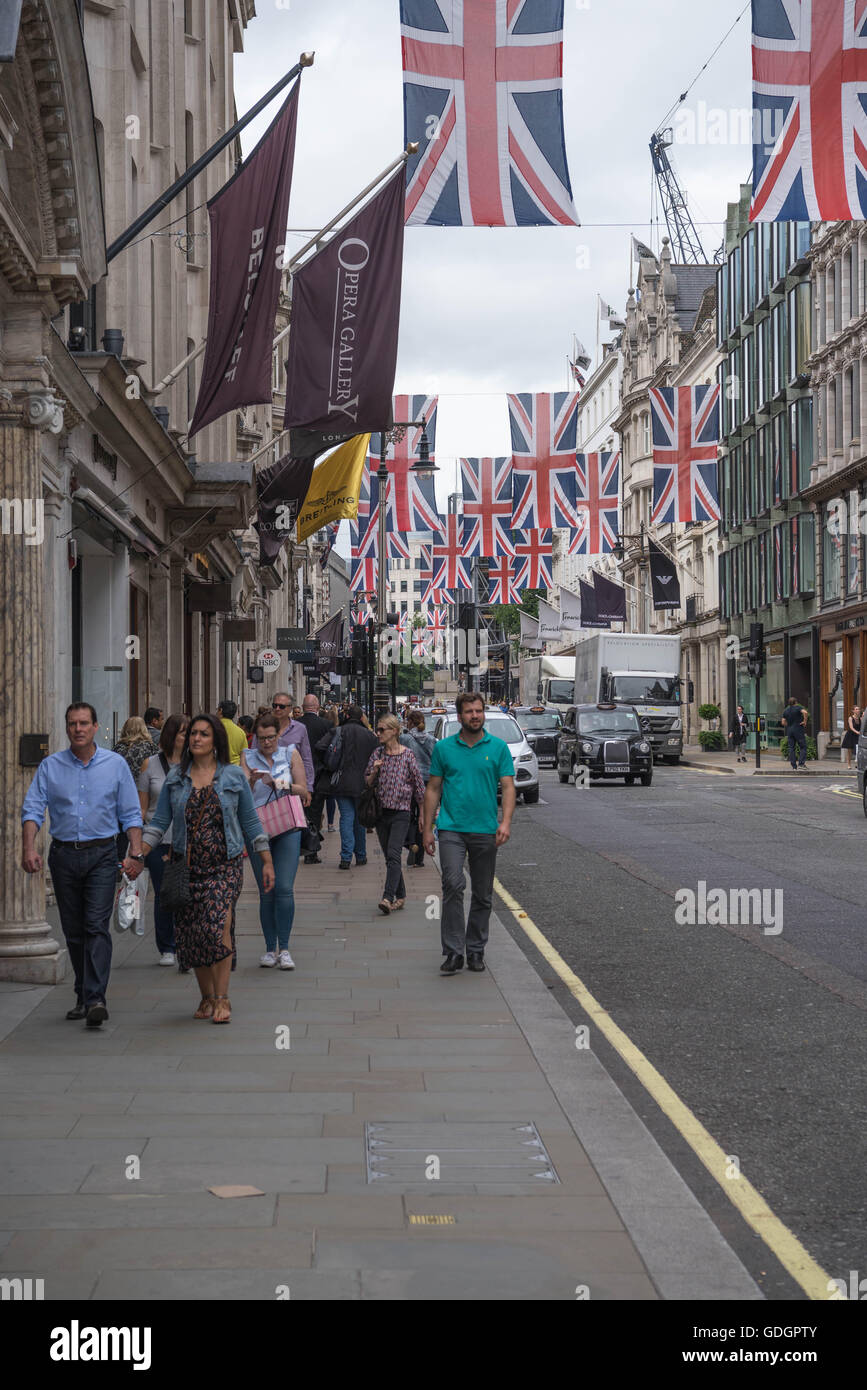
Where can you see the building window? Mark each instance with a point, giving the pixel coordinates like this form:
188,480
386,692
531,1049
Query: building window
645,433
835,413
403,587
853,546
799,344
838,296
832,545
853,391
749,478
807,550
778,348
801,439
749,367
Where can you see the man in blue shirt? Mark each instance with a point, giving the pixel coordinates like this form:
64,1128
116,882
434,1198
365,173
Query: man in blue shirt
88,793
465,771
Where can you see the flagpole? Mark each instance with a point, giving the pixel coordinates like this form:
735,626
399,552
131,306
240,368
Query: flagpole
119,243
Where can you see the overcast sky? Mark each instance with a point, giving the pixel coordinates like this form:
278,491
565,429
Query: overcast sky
487,310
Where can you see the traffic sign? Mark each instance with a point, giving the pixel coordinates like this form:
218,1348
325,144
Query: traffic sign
269,660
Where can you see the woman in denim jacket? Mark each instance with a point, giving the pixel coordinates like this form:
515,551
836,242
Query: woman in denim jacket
208,803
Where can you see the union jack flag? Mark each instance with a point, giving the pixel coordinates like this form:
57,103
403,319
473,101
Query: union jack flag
809,111
685,423
598,498
487,488
436,625
411,499
544,438
482,94
533,551
332,529
420,642
501,581
363,574
436,597
448,552
364,611
364,496
366,540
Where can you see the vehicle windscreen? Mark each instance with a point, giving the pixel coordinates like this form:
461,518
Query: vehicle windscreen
613,721
653,689
561,692
538,722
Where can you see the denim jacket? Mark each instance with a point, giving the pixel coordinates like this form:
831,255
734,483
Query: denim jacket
241,824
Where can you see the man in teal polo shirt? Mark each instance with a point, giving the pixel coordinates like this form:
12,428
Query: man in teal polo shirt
465,771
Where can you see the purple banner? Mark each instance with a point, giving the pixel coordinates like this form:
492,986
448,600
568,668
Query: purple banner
345,318
248,229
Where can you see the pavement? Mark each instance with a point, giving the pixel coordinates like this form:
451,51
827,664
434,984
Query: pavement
773,765
411,1136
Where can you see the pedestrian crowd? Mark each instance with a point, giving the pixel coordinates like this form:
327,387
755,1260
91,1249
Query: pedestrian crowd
190,798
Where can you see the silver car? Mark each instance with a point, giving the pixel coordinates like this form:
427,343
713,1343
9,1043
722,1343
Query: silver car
508,729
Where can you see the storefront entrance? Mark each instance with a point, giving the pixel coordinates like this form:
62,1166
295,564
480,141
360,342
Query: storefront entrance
843,658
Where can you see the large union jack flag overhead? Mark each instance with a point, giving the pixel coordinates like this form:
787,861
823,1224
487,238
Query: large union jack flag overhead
482,94
533,551
598,498
685,423
544,438
809,110
501,581
362,574
487,488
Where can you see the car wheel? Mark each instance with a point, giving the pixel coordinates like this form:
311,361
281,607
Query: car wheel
531,796
563,777
646,779
864,796
629,780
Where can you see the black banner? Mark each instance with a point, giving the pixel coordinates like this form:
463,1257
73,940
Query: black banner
589,615
610,599
664,582
281,489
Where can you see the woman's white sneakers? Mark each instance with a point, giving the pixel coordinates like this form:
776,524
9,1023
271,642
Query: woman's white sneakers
269,960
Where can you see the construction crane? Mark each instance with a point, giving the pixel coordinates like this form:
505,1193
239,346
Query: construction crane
685,241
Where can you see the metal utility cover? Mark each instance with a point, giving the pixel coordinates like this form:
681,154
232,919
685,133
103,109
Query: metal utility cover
478,1154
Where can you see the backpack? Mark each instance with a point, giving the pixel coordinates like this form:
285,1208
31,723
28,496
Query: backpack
334,751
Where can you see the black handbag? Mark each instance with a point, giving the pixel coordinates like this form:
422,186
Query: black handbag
311,840
369,808
175,891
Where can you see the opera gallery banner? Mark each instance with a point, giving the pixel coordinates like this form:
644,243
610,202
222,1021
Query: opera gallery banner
345,318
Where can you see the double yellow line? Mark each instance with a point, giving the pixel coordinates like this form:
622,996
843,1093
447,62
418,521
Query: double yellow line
752,1206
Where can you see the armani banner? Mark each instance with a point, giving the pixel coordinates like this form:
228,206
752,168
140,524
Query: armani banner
664,582
589,616
248,230
345,317
281,489
610,599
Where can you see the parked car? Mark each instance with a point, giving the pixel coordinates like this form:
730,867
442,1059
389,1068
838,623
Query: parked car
606,739
542,725
509,730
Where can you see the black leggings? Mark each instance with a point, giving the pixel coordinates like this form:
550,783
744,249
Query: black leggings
391,830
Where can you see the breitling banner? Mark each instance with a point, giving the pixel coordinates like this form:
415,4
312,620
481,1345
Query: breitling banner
334,487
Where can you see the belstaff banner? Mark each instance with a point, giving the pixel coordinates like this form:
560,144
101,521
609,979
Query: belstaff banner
248,229
334,487
345,318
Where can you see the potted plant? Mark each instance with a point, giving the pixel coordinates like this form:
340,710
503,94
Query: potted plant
711,740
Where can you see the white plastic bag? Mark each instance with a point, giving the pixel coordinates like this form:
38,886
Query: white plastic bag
129,906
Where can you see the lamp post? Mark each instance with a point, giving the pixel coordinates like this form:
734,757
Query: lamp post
423,468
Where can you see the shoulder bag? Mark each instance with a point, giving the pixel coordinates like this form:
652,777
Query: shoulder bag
175,893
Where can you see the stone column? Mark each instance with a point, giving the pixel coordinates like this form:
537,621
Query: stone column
28,951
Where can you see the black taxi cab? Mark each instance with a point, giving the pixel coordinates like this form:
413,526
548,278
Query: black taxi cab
608,741
541,725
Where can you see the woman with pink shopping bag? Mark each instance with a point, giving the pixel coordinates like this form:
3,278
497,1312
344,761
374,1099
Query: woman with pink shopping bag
279,786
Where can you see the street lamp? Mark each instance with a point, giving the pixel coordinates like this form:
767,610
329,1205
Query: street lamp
423,468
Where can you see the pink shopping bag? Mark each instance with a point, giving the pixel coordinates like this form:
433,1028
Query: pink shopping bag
282,814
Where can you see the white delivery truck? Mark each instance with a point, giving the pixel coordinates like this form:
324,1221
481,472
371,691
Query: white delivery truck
637,669
547,680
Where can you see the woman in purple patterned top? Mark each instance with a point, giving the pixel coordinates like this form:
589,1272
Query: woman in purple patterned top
398,778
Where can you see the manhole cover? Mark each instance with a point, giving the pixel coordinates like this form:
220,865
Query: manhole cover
478,1154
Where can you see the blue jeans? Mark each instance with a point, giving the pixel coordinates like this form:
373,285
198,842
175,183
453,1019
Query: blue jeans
353,836
277,908
84,883
164,922
331,808
798,747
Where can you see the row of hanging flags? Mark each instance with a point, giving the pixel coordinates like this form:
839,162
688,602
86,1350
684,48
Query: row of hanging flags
483,99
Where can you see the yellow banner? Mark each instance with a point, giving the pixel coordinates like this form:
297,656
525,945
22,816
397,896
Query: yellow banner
334,487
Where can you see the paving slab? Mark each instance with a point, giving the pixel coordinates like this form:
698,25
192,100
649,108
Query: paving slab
227,1285
166,1247
198,1177
131,1210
